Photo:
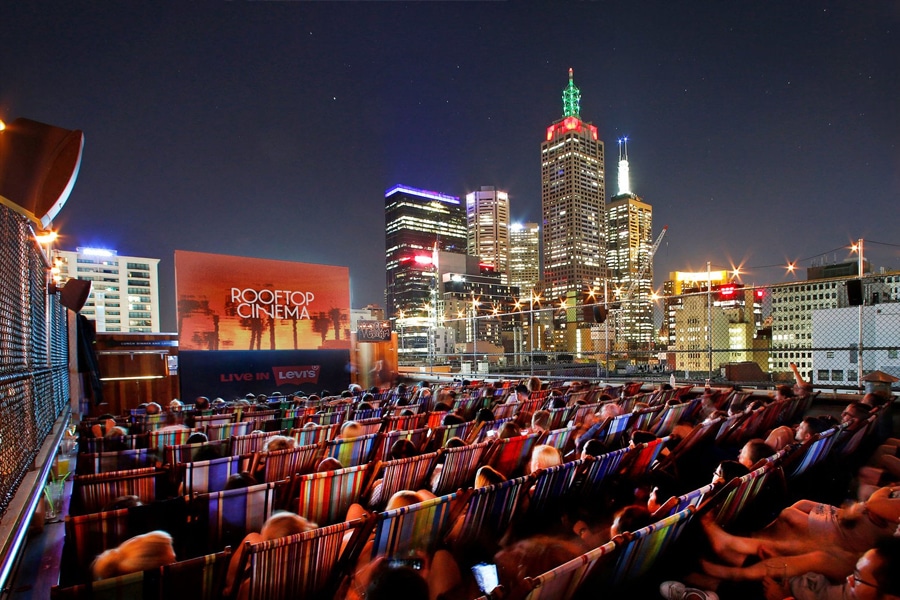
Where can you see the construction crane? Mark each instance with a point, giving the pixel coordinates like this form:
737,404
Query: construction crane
644,267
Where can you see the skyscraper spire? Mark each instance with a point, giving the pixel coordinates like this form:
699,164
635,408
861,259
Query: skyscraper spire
571,99
624,179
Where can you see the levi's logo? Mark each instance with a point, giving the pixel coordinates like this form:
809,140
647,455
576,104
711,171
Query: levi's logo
295,375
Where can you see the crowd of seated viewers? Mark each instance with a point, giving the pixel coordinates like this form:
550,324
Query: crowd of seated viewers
819,550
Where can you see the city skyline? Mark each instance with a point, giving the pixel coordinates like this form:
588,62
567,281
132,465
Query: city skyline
760,133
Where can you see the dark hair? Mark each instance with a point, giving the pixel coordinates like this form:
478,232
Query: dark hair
594,448
240,480
639,436
816,424
389,583
484,415
522,389
198,437
757,450
452,419
785,391
403,449
732,469
632,518
887,574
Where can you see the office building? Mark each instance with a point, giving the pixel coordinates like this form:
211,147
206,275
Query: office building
124,289
418,224
629,241
525,257
573,196
487,219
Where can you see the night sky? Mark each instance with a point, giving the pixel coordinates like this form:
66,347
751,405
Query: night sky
760,132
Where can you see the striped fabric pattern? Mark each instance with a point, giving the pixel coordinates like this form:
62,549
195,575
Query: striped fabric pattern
416,527
352,452
813,452
642,548
297,566
459,466
94,533
185,453
490,509
204,576
405,422
670,417
158,439
234,513
387,439
90,493
510,455
206,476
105,444
599,470
326,418
405,474
224,431
250,443
561,583
281,464
318,434
551,485
615,429
324,498
559,438
105,462
560,417
638,460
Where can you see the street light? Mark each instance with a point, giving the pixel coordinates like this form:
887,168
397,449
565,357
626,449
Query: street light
475,304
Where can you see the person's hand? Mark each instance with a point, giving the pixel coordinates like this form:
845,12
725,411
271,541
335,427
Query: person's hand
772,590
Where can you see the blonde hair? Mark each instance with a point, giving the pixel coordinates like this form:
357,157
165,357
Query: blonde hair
142,552
279,442
403,498
351,429
488,475
282,524
544,457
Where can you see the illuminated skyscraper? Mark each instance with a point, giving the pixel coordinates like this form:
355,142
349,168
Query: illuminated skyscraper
124,289
418,224
487,217
629,240
524,256
573,194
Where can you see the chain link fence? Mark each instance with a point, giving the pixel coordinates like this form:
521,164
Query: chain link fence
835,330
34,380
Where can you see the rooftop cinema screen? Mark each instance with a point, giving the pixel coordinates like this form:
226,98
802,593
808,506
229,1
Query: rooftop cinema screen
238,303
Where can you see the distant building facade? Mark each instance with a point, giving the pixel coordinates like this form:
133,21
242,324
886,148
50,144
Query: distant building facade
487,220
525,257
124,289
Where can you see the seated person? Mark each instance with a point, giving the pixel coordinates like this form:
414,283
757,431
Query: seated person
280,524
544,457
754,451
140,553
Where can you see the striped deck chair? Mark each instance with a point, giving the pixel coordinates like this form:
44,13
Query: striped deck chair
677,504
324,497
433,418
458,467
439,435
335,417
89,535
640,550
509,456
402,474
173,455
203,422
532,404
482,433
90,493
560,417
506,410
559,438
644,417
143,585
729,424
633,388
731,502
304,565
629,402
108,444
317,434
700,438
204,576
159,439
660,397
404,422
260,419
583,410
206,476
281,464
613,433
668,418
364,415
352,452
489,511
469,405
638,460
250,443
104,462
562,582
419,526
801,407
224,431
224,518
142,423
370,425
551,487
387,439
811,453
848,443
599,470
290,417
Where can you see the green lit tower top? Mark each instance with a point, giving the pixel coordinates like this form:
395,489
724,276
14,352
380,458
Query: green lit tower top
571,99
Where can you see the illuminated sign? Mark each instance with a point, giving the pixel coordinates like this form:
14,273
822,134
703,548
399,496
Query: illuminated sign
373,331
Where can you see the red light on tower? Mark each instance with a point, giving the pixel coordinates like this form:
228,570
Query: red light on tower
726,292
423,259
760,294
571,123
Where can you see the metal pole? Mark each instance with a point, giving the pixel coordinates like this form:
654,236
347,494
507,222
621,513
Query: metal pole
859,332
709,318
